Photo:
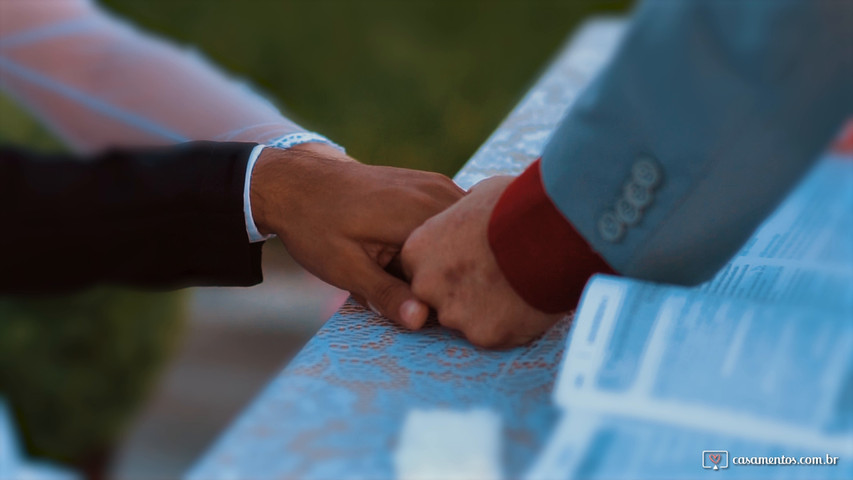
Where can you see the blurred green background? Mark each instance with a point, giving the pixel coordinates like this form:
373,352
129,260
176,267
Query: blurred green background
416,84
419,84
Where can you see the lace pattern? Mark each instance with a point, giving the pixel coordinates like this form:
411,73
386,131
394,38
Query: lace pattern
336,410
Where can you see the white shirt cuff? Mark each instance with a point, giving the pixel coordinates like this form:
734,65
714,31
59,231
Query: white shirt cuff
251,228
283,142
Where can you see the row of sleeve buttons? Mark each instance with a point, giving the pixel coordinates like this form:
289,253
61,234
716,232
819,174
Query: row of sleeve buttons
637,194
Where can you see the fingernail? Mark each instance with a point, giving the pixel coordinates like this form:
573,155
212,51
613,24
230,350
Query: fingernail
373,309
410,310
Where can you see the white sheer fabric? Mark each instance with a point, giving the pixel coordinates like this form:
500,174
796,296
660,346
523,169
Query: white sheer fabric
97,81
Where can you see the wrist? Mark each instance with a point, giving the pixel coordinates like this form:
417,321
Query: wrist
542,256
276,178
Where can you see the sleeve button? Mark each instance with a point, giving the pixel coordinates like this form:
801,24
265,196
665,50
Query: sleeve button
646,173
610,228
638,196
627,213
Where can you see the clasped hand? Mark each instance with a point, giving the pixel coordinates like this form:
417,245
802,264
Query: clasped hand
345,222
452,269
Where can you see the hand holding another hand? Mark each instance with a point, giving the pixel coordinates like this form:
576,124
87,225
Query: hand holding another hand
345,221
452,268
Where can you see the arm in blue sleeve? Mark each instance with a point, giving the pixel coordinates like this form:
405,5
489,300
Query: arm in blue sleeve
728,103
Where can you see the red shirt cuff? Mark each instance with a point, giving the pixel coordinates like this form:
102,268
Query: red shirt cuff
538,250
844,143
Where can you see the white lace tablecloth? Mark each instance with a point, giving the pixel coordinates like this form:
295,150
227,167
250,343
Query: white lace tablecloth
336,411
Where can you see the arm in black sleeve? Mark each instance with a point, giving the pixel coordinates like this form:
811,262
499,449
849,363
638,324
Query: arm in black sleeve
155,217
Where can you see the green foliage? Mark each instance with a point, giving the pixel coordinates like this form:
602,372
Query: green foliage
419,84
18,128
74,367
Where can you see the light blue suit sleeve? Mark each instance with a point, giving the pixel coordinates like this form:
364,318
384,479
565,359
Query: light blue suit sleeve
708,114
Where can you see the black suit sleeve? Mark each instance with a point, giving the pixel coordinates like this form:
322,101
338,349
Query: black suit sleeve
155,217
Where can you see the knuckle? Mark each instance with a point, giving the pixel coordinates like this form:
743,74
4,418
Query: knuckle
412,246
408,262
489,336
484,339
420,288
440,176
450,321
442,184
437,177
383,294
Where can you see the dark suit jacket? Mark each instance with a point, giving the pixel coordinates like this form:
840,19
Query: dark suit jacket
155,217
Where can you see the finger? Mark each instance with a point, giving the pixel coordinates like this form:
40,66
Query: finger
447,191
395,267
490,182
417,268
393,298
410,254
359,299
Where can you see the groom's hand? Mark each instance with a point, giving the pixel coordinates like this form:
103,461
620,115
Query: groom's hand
452,268
344,221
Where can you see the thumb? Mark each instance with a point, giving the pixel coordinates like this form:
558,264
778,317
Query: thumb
393,298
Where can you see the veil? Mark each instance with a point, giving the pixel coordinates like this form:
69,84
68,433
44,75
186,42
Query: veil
97,81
